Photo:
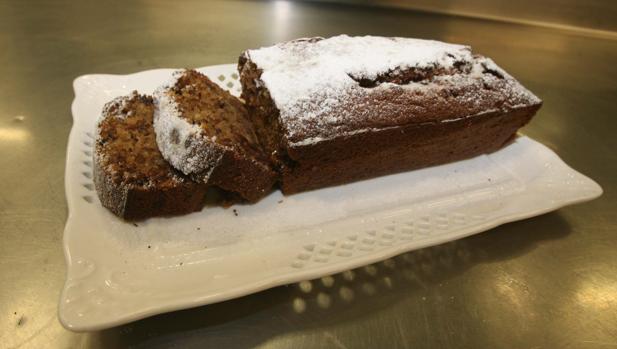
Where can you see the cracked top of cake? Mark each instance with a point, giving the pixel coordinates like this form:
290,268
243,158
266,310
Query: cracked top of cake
327,88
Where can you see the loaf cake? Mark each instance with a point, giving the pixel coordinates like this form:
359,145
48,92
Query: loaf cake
331,111
206,133
130,175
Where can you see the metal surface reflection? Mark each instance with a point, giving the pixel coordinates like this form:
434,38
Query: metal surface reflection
598,295
13,134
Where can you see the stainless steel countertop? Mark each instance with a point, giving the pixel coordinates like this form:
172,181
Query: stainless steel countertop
546,282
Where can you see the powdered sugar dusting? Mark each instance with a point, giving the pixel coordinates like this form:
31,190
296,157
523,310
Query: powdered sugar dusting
315,84
182,144
295,69
117,107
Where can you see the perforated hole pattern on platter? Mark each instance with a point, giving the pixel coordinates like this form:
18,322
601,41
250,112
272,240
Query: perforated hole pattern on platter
230,83
86,168
372,240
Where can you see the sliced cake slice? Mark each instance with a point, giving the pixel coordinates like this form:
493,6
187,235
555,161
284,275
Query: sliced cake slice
206,133
131,177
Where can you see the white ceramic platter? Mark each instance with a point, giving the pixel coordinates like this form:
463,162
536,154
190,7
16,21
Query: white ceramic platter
120,272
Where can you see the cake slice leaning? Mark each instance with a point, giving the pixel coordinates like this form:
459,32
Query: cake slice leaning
206,133
131,177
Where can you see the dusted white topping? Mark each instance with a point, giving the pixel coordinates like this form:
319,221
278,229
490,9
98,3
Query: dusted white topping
182,144
118,104
295,70
316,86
